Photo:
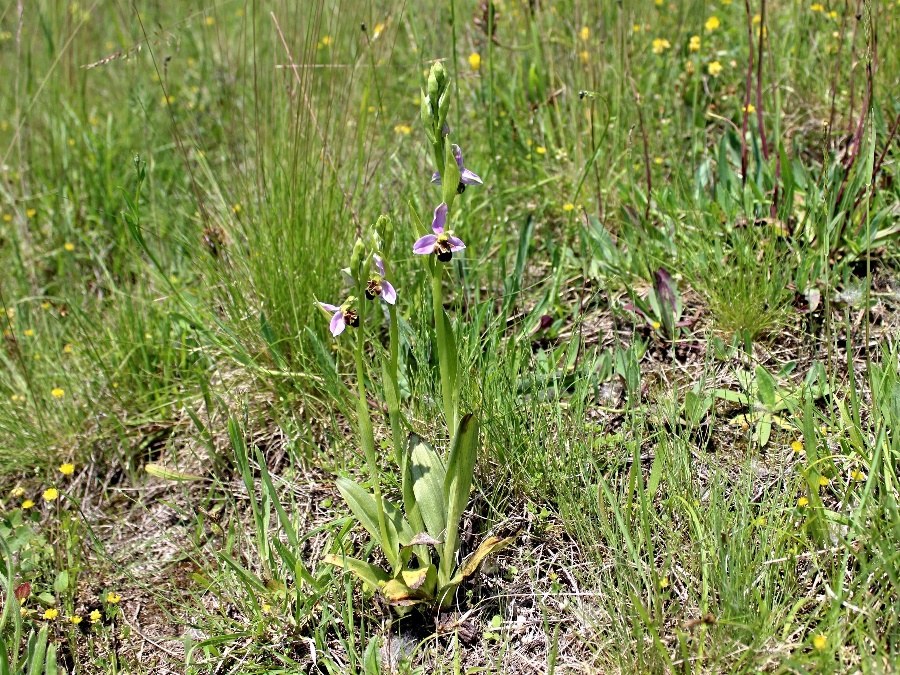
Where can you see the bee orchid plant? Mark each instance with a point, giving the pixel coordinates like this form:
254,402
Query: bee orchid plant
420,537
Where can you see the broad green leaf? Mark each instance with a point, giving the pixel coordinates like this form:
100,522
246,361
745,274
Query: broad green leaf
428,476
159,471
458,482
733,396
655,475
37,651
764,430
62,582
365,508
765,384
374,576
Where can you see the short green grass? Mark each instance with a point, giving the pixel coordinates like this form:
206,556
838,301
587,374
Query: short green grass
178,184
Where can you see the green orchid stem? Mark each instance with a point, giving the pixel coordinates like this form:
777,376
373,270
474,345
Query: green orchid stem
448,386
367,435
392,374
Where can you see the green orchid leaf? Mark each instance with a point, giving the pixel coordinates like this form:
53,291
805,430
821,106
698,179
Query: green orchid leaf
375,577
365,508
764,430
428,478
457,483
765,384
732,396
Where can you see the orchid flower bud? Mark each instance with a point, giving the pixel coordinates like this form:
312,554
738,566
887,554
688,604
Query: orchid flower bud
356,259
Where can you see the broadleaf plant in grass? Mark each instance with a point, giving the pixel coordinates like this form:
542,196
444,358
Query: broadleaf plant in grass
420,537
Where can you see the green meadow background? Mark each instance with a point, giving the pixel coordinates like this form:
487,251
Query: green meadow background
702,475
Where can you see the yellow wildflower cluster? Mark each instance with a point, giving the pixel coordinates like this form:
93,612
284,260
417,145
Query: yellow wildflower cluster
660,45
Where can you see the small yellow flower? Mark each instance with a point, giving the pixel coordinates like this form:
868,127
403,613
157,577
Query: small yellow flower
694,44
210,21
46,305
378,30
757,19
27,504
714,68
803,501
17,491
404,129
95,616
167,100
584,33
749,109
266,608
568,206
797,446
541,150
75,619
326,41
236,209
7,217
817,7
69,246
50,494
31,213
832,14
820,642
67,349
56,392
824,481
712,23
67,469
858,475
585,56
760,521
660,45
474,60
29,332
689,67
71,142
113,598
51,613
659,161
664,582
655,325
636,28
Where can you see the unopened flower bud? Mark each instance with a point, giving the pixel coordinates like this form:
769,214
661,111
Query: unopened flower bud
437,82
356,259
384,226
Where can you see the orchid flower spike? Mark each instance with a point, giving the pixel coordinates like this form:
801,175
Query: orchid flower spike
342,316
442,242
378,286
466,176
